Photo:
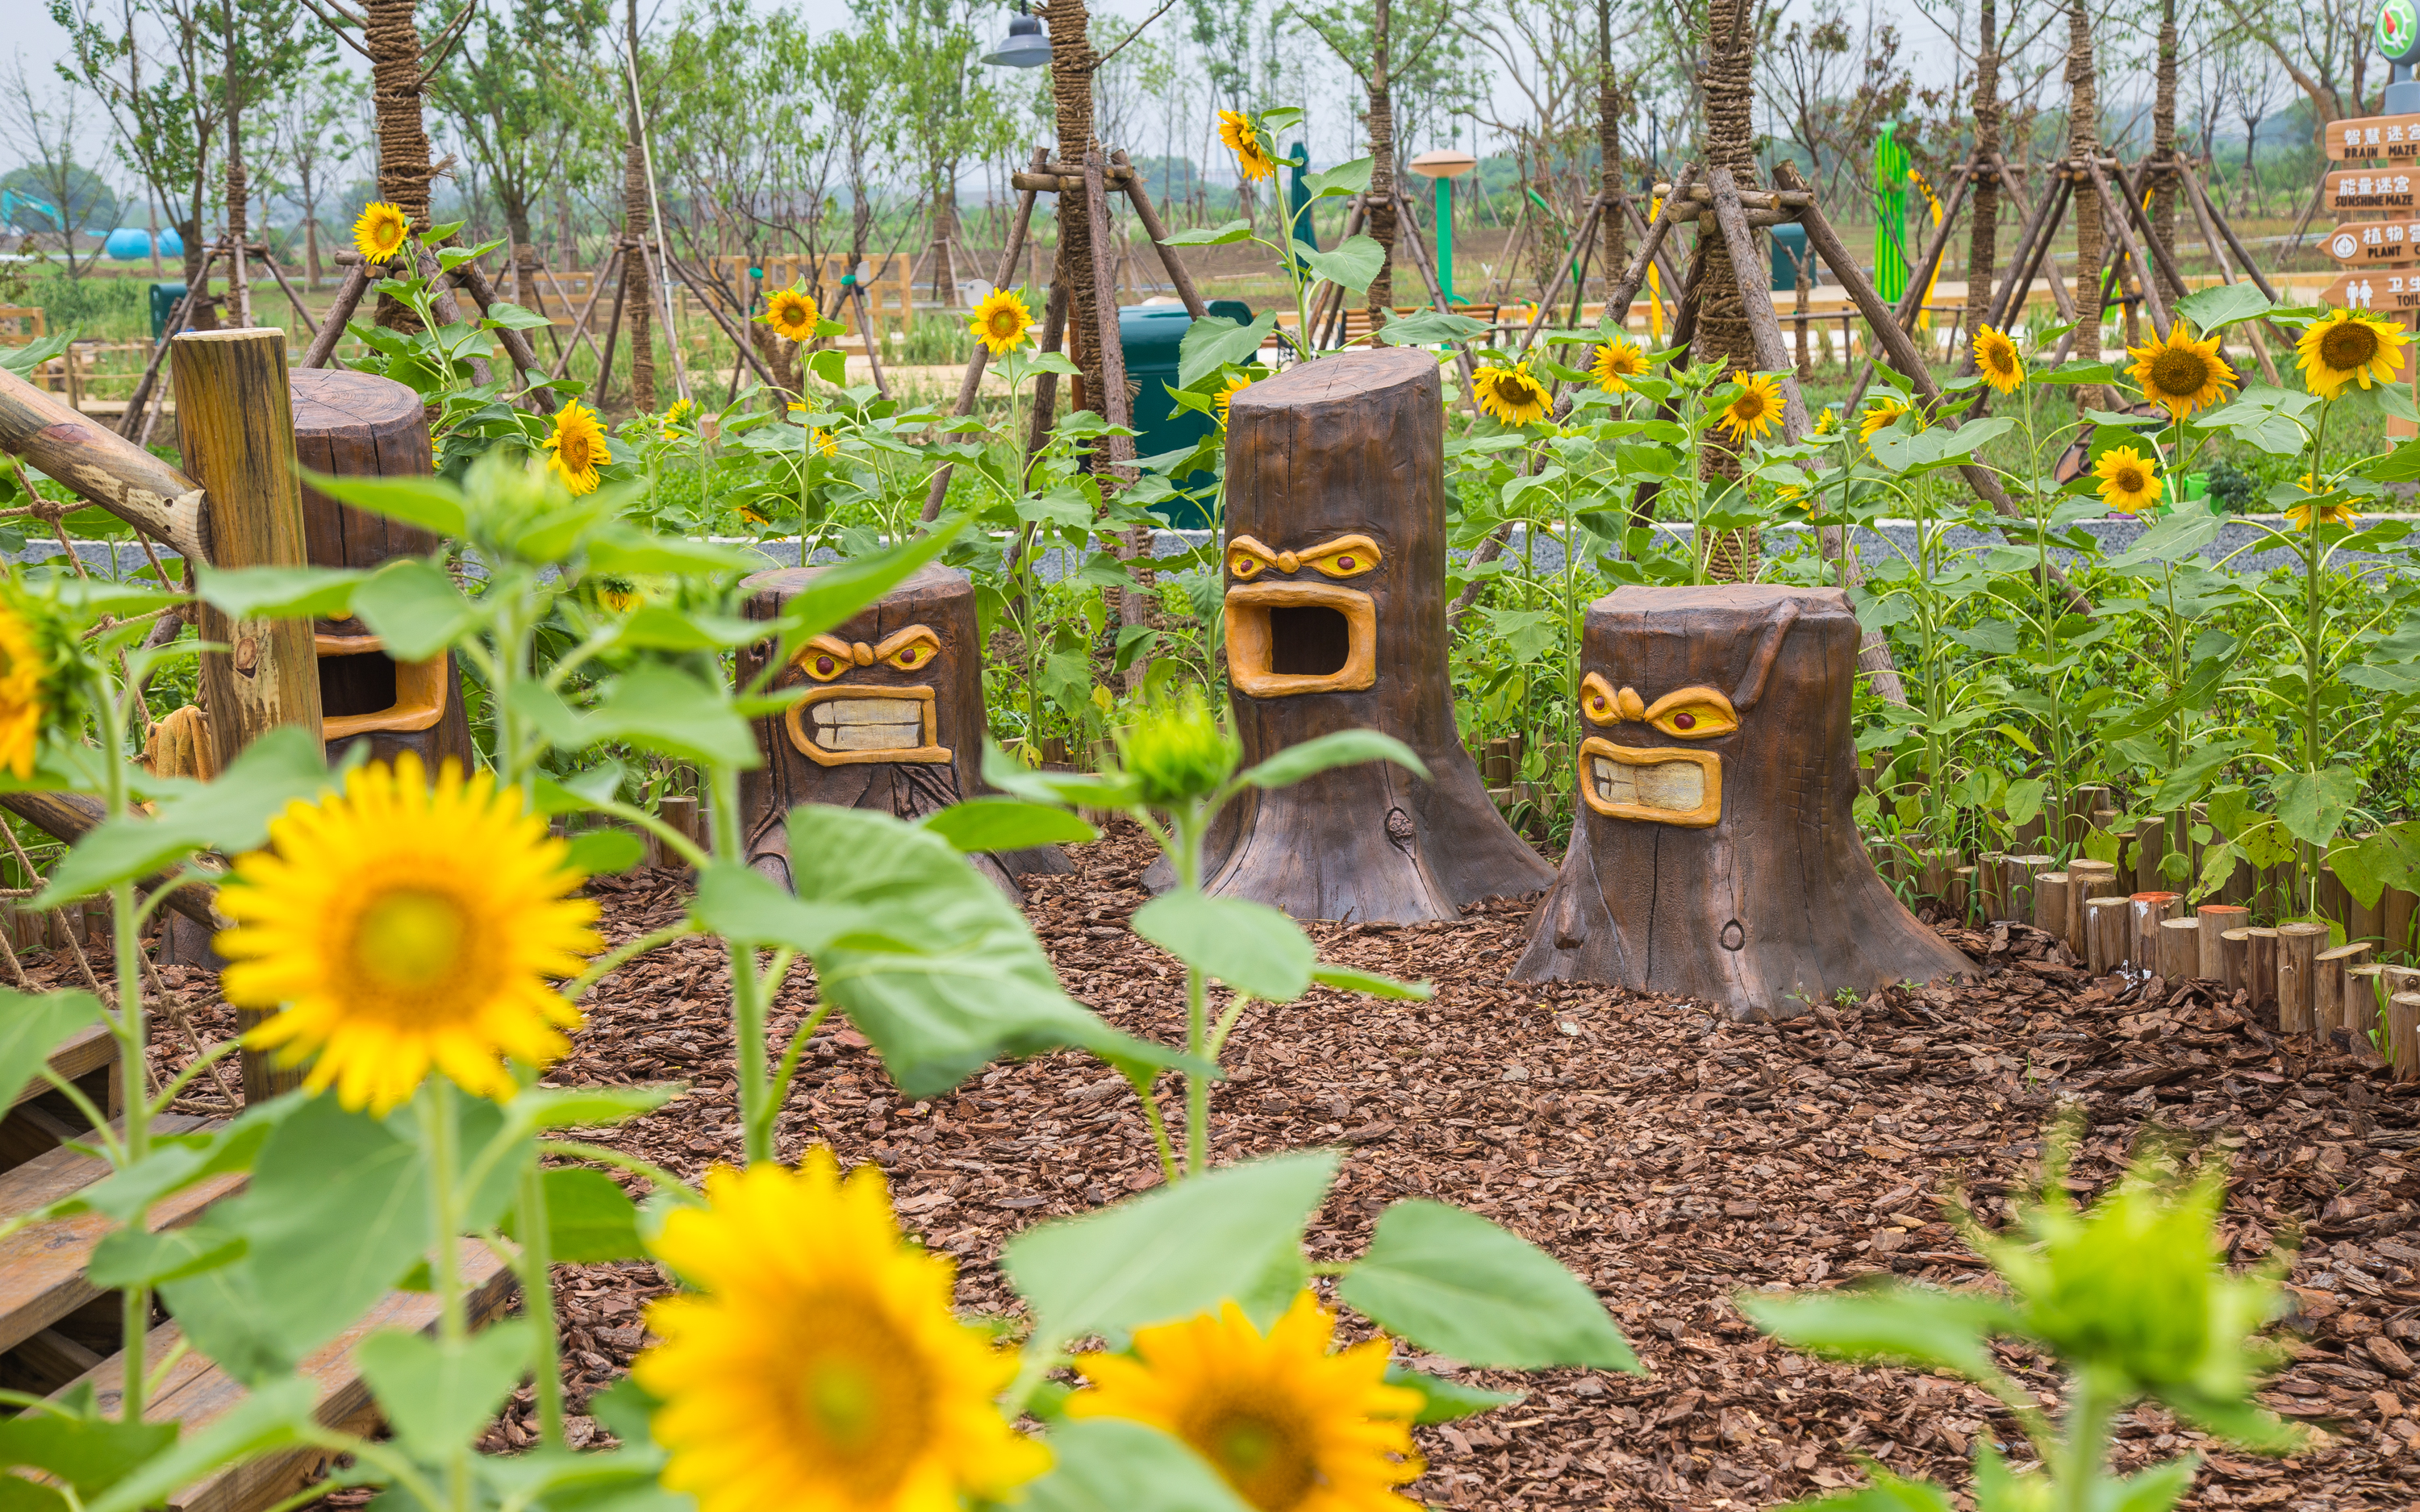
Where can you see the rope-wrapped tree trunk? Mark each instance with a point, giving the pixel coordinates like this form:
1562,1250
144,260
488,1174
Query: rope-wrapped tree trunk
1983,229
1071,96
636,225
2083,143
1379,203
393,41
1722,332
1611,226
2163,148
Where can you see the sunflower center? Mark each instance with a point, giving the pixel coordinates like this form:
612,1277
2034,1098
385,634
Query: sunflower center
409,940
2128,479
864,1404
1751,406
574,451
2348,345
1263,1457
2180,373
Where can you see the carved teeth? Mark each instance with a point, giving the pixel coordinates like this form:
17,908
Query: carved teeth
868,724
1675,786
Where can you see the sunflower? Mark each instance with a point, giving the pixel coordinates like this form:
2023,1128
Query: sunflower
1243,139
2129,482
1755,410
1002,320
2346,347
1511,394
1617,363
1291,1427
401,926
1236,384
669,426
1827,422
2319,511
1879,416
1995,355
823,441
792,313
2180,373
576,448
381,231
21,675
818,1367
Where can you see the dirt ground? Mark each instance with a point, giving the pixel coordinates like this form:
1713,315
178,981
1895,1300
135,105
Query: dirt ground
1671,1158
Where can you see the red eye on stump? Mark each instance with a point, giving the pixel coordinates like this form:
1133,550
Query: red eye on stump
1345,563
824,665
1684,721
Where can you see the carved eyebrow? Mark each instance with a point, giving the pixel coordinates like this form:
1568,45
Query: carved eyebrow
1252,547
831,645
892,644
1682,697
1341,544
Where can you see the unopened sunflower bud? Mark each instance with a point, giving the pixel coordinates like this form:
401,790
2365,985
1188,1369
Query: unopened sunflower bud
1177,751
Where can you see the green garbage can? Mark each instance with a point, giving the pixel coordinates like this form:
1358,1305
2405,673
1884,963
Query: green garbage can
1149,335
164,304
1789,254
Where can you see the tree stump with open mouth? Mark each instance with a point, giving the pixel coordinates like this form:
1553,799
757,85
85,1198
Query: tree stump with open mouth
1334,609
1715,854
893,719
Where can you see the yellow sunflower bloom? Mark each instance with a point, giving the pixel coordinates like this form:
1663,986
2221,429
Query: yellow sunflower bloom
2319,511
1512,395
1617,363
380,232
401,927
680,414
21,675
1878,417
1755,410
1243,139
824,442
1996,359
1291,1427
576,448
2180,373
2347,347
1002,321
1827,422
2129,480
818,1367
792,313
1236,384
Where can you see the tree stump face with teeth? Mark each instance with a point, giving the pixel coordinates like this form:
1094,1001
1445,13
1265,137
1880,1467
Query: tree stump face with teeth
893,718
1335,563
1717,853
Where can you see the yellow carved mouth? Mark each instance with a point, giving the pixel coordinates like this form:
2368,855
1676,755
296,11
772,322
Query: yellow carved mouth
1286,638
1664,785
840,726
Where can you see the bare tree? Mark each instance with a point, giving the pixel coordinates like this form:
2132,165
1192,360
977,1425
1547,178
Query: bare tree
1364,37
43,126
146,61
311,148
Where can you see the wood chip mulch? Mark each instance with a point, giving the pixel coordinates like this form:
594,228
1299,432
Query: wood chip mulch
1670,1157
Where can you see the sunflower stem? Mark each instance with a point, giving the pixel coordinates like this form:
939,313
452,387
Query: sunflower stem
1188,829
756,1108
537,1271
437,1131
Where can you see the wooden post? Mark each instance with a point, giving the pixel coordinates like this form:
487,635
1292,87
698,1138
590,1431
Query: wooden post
2363,1005
2216,920
2298,951
2395,910
2149,911
2403,1035
1992,883
2234,945
235,418
1961,893
2050,904
2106,931
2086,881
2180,948
2339,1005
2260,967
2017,891
2150,843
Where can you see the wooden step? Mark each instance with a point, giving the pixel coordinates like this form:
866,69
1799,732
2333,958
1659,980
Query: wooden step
196,1392
43,1119
41,1267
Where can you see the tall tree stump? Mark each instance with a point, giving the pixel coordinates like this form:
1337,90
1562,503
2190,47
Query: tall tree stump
1335,561
893,719
1715,855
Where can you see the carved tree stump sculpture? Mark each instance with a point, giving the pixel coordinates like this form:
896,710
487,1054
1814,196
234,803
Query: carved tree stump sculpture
1715,855
1336,562
893,719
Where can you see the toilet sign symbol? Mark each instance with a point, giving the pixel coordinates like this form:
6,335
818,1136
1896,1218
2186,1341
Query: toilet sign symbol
2358,295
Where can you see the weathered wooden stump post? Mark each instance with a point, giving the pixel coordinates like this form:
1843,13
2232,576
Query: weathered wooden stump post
892,720
1336,620
235,421
1716,854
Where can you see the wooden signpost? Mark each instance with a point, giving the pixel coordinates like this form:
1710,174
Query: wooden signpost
2371,189
2373,243
2376,289
2395,138
2379,253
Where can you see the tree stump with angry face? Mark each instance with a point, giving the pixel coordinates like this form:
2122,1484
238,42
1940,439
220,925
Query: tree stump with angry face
1715,854
893,718
1335,563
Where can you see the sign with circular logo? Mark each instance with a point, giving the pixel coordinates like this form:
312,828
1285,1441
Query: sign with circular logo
2398,30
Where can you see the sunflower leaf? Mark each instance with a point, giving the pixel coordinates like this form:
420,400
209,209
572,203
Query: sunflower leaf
230,814
1213,341
1452,1281
1108,1464
31,1028
2221,305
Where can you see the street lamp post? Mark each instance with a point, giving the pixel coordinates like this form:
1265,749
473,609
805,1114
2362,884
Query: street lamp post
1444,165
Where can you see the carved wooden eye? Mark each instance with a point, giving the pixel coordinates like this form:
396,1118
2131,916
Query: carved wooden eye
1693,713
1243,566
1597,700
1349,556
914,647
908,657
825,659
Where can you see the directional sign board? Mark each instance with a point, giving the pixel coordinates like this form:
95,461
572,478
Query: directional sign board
2379,290
2393,137
2373,243
2374,188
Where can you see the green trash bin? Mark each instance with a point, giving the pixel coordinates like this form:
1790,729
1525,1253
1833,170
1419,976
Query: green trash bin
1149,335
1789,252
164,304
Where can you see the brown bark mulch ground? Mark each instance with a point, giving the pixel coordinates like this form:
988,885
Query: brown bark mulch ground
1671,1158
